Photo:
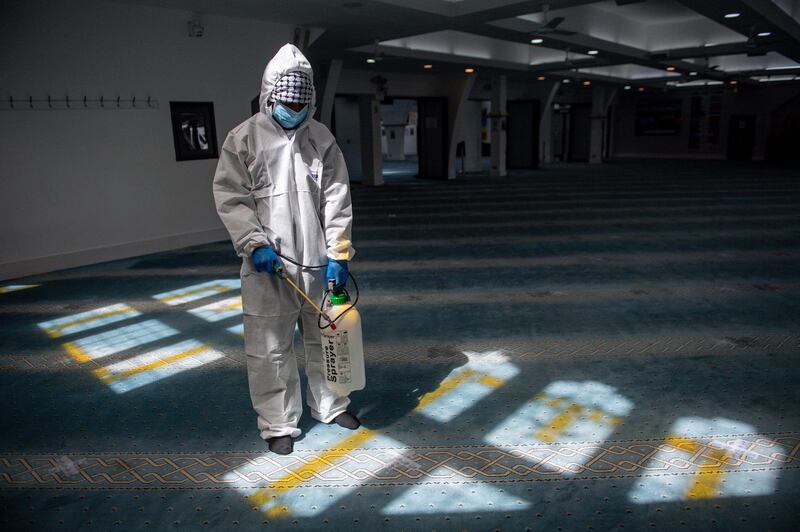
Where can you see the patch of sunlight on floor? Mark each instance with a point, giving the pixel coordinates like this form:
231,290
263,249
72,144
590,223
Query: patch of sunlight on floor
219,310
16,287
715,463
236,329
452,498
327,465
466,385
156,365
114,341
84,321
566,411
198,291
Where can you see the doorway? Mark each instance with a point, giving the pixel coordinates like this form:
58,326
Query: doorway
580,131
399,139
741,137
432,137
522,147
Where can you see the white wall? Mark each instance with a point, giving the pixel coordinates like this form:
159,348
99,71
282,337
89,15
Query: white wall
472,136
348,134
79,186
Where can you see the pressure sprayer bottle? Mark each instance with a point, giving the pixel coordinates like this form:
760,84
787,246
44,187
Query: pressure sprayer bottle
343,347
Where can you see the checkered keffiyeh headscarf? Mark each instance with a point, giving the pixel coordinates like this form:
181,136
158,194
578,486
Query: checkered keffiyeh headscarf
293,87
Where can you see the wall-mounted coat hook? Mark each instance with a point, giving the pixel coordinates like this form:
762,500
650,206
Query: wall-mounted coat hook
60,103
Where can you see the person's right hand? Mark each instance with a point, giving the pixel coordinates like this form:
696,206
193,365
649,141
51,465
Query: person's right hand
266,260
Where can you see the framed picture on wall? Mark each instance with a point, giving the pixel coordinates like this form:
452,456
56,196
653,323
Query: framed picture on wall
193,130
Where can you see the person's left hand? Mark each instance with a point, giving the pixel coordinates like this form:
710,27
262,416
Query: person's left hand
338,273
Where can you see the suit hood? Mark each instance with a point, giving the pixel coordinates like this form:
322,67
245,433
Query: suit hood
288,59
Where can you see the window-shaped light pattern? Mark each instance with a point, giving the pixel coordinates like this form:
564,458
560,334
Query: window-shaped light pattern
219,310
271,482
156,365
444,498
88,320
714,462
118,340
198,291
466,385
566,411
126,340
16,287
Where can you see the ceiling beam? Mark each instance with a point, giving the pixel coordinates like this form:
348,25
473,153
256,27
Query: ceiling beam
514,9
761,15
499,20
423,55
610,52
717,50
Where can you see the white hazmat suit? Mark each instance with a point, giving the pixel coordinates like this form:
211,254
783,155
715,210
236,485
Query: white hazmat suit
288,189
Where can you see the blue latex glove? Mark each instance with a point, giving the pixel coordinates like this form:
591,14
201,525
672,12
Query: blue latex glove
265,260
338,273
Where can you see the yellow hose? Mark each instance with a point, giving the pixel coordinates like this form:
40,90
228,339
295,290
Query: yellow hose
310,301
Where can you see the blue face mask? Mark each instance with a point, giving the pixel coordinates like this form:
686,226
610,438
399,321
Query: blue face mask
287,118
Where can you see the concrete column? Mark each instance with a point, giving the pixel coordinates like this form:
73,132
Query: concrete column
499,111
371,159
763,120
609,131
598,124
602,98
458,94
546,125
329,92
472,135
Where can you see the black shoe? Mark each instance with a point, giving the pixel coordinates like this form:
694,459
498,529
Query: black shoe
281,444
347,420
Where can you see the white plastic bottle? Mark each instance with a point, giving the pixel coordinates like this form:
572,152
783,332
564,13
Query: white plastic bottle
343,348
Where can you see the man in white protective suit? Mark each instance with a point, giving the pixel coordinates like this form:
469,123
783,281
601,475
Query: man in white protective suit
282,190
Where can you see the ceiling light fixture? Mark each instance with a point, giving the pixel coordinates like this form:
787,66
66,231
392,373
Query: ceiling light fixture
765,34
427,67
732,15
469,70
592,52
734,82
670,69
565,80
371,61
692,73
627,87
641,89
587,83
541,78
537,41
